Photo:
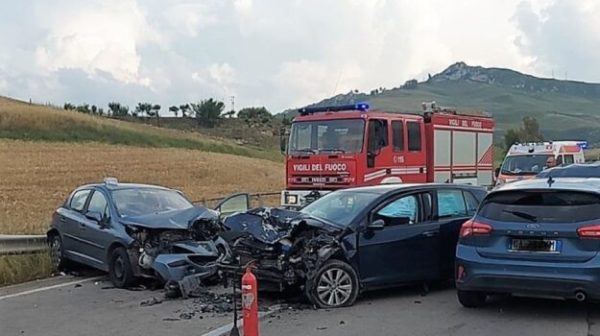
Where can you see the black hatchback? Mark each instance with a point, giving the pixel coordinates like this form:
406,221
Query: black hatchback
356,239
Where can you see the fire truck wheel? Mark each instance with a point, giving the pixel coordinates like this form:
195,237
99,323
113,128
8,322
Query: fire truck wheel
335,285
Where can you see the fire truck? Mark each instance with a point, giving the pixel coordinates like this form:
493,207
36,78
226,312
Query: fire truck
330,148
526,160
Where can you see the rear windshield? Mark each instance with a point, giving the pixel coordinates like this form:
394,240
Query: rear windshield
546,206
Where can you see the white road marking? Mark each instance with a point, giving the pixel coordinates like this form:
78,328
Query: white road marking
42,289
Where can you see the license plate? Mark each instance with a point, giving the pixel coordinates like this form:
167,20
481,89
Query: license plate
535,245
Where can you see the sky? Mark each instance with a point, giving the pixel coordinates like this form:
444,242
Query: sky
274,53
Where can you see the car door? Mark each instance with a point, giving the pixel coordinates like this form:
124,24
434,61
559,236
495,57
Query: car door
452,208
69,218
96,235
406,248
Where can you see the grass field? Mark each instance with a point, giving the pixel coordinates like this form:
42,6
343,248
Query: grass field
22,121
37,176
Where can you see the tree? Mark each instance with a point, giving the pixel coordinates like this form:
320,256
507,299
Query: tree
185,108
208,112
85,108
101,111
144,108
118,110
94,109
69,106
174,109
529,132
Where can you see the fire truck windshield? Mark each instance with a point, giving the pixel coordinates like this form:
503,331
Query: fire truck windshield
524,164
330,136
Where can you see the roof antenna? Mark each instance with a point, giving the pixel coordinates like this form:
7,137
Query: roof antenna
550,181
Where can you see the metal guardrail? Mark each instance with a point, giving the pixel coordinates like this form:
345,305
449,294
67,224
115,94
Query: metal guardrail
23,244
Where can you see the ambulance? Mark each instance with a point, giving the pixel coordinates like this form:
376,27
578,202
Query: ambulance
526,160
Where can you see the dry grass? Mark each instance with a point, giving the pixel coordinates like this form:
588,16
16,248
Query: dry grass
20,268
36,177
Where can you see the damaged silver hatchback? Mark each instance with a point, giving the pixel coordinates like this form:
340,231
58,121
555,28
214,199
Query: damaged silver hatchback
136,230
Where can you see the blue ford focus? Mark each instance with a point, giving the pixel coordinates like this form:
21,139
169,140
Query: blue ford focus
533,238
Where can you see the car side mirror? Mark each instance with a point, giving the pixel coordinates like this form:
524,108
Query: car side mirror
95,216
377,224
234,203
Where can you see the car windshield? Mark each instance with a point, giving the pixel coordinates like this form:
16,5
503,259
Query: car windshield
145,201
524,164
340,207
330,136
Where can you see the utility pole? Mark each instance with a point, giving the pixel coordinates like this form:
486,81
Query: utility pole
232,103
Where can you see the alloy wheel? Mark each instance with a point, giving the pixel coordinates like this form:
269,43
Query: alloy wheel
334,287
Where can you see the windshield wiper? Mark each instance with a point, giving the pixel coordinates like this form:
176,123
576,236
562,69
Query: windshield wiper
523,215
339,150
305,150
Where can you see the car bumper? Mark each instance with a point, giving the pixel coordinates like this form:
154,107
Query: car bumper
528,278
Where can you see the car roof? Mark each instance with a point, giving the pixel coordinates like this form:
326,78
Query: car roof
122,186
559,183
387,188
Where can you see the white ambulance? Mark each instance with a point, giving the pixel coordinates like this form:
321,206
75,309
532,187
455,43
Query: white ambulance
526,160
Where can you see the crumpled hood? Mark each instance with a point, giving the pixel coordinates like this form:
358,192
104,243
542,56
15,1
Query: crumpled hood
171,220
269,225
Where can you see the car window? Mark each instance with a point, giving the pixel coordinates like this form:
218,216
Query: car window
472,203
78,200
404,207
98,204
414,136
398,135
451,203
568,159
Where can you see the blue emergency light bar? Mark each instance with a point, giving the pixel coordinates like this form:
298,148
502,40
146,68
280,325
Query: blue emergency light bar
583,145
352,107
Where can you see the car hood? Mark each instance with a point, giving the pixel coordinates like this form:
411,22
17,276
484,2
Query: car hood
171,220
269,225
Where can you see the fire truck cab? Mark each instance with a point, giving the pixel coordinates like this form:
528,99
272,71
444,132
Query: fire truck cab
526,160
331,148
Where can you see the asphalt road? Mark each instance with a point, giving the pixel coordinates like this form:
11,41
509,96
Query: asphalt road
73,307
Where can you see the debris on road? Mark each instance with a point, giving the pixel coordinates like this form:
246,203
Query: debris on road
151,302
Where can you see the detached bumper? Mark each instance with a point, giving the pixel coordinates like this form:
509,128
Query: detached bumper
530,278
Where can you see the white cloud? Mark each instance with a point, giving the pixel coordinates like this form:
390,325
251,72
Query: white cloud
96,37
190,18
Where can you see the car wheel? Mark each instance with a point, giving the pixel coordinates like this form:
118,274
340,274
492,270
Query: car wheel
335,285
119,269
57,253
471,299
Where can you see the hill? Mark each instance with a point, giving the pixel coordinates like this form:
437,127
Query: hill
23,121
564,109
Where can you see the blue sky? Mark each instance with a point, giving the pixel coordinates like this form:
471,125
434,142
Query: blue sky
274,53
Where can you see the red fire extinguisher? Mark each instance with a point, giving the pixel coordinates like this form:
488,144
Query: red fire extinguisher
250,303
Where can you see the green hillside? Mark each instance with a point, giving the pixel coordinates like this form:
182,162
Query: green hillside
23,121
564,109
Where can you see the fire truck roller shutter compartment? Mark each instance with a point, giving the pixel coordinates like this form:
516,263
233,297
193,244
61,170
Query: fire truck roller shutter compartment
485,159
442,159
464,168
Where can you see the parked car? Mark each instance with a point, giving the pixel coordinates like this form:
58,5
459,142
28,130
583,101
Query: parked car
354,240
537,238
137,230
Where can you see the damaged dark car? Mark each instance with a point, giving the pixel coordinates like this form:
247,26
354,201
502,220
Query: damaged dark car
354,240
135,230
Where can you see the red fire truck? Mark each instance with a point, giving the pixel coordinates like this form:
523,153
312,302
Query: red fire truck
330,148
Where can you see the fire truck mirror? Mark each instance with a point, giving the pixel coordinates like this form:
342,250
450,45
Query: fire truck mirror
283,140
497,171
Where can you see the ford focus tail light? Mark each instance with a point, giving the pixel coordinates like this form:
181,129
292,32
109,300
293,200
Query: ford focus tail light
591,231
474,228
